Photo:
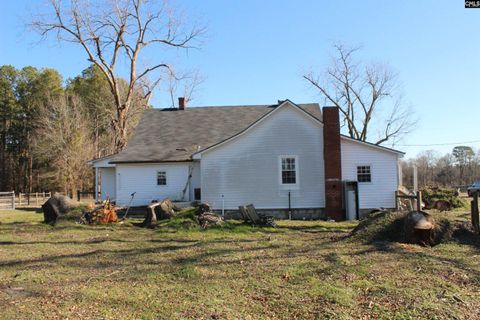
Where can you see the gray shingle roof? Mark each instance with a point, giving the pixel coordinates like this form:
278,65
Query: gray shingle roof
167,135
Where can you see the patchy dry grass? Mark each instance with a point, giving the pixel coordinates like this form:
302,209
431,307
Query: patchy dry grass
302,270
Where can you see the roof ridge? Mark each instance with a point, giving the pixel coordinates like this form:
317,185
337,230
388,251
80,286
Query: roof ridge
231,106
216,107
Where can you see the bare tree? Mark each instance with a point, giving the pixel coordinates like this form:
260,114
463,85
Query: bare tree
426,162
185,86
435,170
464,156
121,29
65,141
366,95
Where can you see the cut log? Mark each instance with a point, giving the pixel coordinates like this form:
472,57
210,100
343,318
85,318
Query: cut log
166,210
209,218
150,220
206,217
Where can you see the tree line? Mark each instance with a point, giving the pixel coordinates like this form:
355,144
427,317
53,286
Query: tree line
49,128
458,168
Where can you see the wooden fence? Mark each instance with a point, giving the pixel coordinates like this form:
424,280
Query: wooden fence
34,199
414,199
86,195
7,200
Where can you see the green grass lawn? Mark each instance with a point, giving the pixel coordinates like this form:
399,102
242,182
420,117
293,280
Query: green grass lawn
301,270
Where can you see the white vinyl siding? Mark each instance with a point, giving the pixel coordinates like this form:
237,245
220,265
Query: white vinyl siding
380,191
142,179
107,183
246,169
102,163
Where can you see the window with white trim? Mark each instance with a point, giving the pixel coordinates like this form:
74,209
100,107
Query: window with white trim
161,178
364,174
289,170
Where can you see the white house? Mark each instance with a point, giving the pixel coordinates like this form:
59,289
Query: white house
284,158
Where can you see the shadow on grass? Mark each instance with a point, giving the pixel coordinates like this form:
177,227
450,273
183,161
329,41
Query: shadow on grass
21,223
316,229
31,209
100,252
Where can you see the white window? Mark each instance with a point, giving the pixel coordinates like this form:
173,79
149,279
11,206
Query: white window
161,178
289,169
364,174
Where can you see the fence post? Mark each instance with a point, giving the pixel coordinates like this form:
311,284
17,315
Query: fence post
474,213
78,195
419,201
396,200
13,200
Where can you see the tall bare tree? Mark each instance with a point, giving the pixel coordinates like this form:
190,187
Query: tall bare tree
65,141
367,96
120,30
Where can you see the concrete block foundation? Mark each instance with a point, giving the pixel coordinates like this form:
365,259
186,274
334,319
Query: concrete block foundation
296,214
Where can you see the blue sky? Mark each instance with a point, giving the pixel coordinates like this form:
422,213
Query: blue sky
257,51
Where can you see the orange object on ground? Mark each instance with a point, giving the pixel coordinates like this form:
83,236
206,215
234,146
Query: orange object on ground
108,216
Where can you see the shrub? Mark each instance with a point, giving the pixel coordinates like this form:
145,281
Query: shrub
430,195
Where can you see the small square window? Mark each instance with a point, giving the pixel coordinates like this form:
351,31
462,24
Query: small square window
161,178
364,174
289,171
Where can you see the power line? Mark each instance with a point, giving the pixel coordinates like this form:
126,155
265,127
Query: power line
437,144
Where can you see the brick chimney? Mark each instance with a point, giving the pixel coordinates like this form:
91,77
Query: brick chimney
333,165
182,103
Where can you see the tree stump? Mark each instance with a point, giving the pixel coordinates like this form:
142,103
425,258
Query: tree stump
419,227
208,218
55,206
50,212
442,205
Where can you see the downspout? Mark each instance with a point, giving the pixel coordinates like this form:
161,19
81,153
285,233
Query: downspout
96,184
223,205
